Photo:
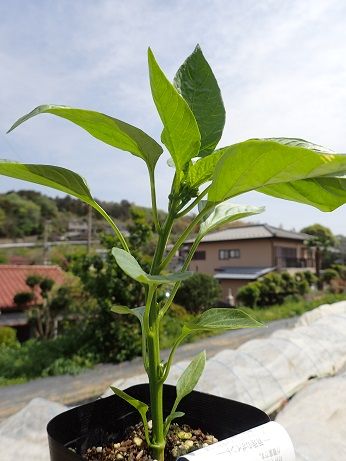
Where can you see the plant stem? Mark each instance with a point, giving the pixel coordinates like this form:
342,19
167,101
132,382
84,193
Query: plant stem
155,383
161,244
171,356
193,204
177,285
153,200
184,235
151,324
113,225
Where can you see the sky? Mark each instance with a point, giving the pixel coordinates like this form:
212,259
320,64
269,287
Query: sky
280,64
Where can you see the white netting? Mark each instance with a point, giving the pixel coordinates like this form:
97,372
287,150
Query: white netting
316,420
24,434
263,372
266,372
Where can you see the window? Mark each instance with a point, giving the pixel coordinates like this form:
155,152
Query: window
223,254
229,254
234,254
286,252
199,255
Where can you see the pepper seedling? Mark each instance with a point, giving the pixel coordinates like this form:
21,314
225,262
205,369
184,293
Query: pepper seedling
193,118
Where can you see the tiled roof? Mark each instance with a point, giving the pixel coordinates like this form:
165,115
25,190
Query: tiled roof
242,273
256,231
12,280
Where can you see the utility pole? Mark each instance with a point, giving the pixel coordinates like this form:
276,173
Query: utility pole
45,243
89,228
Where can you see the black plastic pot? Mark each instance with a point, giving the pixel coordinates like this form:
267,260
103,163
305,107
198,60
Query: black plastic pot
105,420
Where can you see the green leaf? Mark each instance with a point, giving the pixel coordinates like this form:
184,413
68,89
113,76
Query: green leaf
180,134
52,176
141,407
324,193
260,162
172,417
202,171
297,142
227,212
131,267
170,278
186,384
136,311
221,319
197,84
57,178
105,128
190,377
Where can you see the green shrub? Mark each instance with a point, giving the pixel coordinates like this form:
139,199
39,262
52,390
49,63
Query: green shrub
303,287
198,293
172,324
341,270
310,277
36,358
288,283
70,366
8,337
249,295
23,298
274,288
271,289
329,274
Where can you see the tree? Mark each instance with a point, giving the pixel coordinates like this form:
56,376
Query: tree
198,293
2,218
249,294
112,338
322,240
45,305
23,217
341,247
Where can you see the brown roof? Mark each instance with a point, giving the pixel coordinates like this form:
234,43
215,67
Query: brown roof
12,280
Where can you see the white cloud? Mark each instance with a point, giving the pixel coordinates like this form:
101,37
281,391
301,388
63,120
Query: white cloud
280,65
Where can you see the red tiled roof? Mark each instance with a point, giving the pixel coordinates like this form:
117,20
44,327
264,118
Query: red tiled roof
12,280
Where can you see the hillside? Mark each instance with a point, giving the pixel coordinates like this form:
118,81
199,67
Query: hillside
28,215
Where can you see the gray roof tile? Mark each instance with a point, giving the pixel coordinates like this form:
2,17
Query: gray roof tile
241,273
256,231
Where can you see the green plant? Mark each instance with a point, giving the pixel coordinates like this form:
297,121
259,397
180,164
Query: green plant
340,269
44,304
329,274
8,337
249,294
198,293
321,240
275,288
193,116
309,276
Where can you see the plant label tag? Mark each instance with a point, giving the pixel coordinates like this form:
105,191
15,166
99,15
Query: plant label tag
268,442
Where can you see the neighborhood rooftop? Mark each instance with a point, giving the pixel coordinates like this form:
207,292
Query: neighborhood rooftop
253,231
12,280
241,273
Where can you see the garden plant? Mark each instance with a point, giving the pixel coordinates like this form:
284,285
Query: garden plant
193,118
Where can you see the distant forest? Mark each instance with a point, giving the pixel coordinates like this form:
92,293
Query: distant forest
26,213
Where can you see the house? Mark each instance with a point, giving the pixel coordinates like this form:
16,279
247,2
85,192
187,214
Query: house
12,281
238,255
77,229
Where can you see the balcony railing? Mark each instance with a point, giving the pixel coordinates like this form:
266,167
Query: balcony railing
294,262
